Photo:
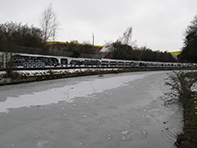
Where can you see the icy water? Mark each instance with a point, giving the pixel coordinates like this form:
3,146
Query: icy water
110,111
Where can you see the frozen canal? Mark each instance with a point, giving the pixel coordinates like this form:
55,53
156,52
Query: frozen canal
110,111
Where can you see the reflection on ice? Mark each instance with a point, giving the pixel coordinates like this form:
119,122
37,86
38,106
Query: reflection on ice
42,143
67,92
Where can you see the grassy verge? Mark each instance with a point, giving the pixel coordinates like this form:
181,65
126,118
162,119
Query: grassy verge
184,90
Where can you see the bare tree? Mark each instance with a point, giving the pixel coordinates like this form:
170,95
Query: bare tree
127,36
49,23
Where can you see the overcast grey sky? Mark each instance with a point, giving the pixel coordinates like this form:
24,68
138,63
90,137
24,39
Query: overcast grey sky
157,24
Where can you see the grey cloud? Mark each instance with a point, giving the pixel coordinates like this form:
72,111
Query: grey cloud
158,24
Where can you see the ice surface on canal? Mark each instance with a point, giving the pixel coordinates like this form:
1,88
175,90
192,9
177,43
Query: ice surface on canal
68,92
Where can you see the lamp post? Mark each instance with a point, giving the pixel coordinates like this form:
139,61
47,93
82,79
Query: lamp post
92,41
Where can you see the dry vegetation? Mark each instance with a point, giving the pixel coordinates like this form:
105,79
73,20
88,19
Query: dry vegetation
184,91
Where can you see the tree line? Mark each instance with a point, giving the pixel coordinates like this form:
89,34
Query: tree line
15,37
121,51
122,48
15,34
21,35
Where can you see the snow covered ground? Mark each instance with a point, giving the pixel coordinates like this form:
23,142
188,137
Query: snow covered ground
32,72
113,111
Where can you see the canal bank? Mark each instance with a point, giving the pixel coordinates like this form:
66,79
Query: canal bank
41,75
187,96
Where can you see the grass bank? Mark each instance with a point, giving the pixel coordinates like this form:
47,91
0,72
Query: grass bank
184,91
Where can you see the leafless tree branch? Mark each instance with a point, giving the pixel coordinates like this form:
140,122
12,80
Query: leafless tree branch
49,23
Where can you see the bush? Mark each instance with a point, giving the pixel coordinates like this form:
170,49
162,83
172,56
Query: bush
182,84
181,87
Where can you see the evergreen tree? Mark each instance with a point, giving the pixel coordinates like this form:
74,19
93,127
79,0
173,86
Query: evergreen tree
189,50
